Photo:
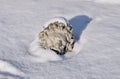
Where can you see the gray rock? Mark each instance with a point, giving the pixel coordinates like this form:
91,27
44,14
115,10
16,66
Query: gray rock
57,37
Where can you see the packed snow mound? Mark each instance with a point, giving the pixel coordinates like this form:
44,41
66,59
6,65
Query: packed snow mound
41,55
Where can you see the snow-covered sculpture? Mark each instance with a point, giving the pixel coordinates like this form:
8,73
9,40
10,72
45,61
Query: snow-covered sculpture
57,36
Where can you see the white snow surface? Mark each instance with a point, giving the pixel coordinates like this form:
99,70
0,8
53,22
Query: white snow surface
108,1
96,28
6,67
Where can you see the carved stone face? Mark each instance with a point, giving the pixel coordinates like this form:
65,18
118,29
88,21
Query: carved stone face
57,37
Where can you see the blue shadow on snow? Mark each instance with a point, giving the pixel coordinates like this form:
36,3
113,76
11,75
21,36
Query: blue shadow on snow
79,24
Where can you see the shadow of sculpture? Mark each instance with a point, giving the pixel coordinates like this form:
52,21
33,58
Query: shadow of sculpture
79,23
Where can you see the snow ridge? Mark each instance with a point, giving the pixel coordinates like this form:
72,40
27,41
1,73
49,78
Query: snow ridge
8,68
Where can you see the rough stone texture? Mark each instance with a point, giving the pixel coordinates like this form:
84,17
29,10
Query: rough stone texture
57,37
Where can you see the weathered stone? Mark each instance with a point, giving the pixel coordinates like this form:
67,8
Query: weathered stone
57,37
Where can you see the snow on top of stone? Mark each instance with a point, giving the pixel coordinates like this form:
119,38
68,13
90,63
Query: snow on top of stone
59,19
